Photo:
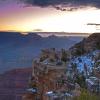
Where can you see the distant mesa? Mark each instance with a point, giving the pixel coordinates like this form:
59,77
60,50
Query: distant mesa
24,33
17,50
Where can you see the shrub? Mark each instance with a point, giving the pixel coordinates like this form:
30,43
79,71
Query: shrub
85,95
80,79
98,45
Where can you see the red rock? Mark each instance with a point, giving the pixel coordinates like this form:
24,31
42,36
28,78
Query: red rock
14,83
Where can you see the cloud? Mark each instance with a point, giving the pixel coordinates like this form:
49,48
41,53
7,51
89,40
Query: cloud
38,30
67,8
63,5
93,24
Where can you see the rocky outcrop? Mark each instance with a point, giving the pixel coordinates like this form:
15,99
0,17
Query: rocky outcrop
87,45
92,42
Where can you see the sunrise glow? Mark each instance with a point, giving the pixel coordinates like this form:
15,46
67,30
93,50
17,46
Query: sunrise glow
30,19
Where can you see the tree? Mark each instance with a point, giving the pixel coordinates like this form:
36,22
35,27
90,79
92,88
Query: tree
80,79
64,56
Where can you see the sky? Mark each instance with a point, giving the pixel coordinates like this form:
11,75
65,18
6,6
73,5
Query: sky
50,15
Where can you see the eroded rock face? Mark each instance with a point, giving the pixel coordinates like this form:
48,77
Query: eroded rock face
14,83
50,81
92,42
87,45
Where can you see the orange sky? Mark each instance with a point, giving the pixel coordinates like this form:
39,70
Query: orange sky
48,19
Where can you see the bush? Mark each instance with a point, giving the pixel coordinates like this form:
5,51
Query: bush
98,45
80,51
52,60
64,57
85,95
42,59
80,79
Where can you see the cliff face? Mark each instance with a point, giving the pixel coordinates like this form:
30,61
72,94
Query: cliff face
87,45
46,82
92,42
14,83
